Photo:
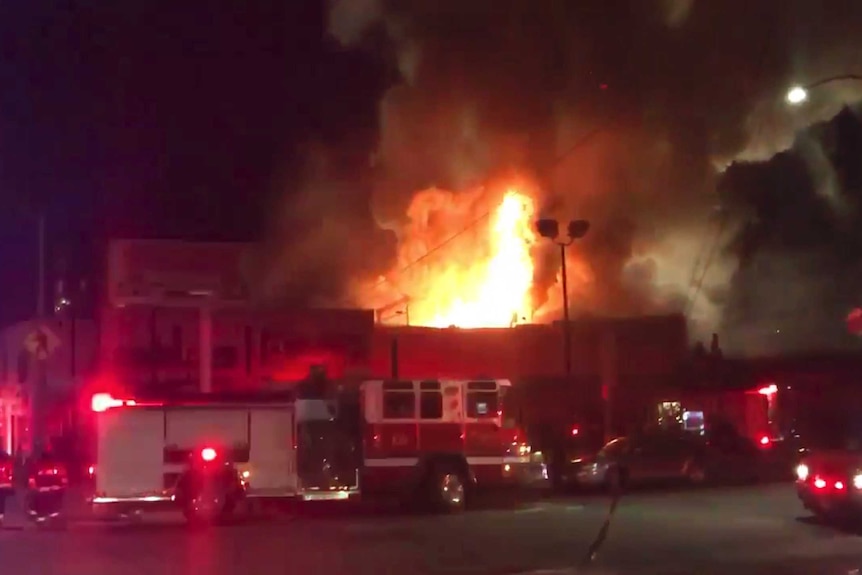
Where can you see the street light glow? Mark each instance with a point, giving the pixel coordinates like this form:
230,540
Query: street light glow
797,95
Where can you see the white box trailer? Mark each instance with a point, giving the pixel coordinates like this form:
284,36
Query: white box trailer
145,449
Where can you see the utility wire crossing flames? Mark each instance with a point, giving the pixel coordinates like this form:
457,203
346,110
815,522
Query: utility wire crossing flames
487,282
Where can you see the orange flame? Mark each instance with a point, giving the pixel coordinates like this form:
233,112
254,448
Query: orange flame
482,280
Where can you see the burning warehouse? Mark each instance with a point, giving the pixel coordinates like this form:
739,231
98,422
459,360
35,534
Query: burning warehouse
153,336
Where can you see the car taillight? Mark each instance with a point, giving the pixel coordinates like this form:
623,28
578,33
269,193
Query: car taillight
575,430
837,485
764,441
208,454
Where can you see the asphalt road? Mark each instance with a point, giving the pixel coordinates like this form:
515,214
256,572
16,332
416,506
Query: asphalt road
727,530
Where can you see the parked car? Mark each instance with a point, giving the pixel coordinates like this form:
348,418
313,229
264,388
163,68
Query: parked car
563,447
670,455
829,474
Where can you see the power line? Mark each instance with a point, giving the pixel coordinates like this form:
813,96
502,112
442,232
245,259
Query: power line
763,60
437,248
707,264
585,139
696,268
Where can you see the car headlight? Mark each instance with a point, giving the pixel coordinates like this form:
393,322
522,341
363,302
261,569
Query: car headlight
857,481
802,472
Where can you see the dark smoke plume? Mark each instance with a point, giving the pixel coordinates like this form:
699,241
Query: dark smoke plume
678,90
800,250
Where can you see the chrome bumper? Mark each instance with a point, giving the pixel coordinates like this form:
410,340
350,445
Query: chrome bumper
329,494
527,471
143,499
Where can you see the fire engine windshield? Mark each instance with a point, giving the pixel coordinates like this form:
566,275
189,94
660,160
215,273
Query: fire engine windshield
510,409
483,400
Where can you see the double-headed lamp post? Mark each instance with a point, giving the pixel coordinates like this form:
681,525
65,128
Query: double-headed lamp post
577,229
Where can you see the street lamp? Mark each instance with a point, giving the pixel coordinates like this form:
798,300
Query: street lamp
796,95
799,94
577,229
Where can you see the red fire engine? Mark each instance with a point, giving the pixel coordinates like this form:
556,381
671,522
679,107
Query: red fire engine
444,437
431,440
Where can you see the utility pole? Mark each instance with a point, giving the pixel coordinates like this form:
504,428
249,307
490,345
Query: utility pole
16,514
40,383
576,230
567,324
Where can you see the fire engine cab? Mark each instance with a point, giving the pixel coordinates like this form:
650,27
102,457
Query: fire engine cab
435,441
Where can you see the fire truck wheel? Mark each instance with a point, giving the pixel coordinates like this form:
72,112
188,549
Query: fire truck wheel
207,508
449,489
695,473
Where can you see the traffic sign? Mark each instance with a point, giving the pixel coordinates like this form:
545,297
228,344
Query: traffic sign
41,342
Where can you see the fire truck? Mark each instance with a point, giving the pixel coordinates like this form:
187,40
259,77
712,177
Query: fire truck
431,441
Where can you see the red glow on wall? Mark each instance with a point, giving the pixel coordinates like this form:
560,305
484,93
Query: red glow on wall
854,321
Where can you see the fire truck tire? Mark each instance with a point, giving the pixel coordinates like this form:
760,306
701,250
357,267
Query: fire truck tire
695,472
448,489
208,508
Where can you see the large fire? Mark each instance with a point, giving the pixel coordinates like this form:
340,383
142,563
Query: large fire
481,278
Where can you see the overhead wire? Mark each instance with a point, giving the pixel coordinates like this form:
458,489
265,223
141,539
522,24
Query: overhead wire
582,141
697,284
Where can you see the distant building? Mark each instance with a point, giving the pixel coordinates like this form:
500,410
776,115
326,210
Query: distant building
178,315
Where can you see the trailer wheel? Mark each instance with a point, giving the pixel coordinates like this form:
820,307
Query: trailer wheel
208,507
695,472
448,489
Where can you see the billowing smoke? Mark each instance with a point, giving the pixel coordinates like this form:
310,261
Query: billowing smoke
671,92
800,268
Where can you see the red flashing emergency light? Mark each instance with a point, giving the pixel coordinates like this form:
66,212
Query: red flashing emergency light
208,454
575,430
767,390
102,402
764,440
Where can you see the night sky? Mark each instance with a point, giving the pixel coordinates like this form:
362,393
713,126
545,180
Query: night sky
194,120
158,119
